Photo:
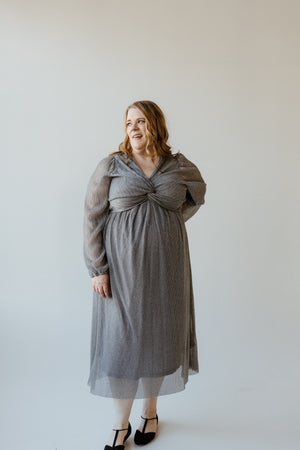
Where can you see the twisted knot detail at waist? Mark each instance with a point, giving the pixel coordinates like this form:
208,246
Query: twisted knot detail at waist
149,194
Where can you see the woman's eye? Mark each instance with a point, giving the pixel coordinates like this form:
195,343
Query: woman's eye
141,120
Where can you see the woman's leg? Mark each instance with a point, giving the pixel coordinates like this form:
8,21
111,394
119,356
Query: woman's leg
122,406
150,403
122,412
149,411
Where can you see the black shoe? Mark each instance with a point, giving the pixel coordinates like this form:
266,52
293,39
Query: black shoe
119,447
142,438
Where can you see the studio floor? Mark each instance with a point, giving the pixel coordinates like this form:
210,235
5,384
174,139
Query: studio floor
261,416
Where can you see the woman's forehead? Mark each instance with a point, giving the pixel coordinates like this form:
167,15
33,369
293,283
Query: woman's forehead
135,113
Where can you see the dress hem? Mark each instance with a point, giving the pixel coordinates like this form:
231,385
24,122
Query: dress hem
138,395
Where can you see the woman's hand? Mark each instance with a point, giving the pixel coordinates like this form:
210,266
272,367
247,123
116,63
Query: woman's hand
101,285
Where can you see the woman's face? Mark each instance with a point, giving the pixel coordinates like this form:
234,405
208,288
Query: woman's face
136,129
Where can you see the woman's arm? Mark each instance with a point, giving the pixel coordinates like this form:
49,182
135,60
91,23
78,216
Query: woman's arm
96,210
196,187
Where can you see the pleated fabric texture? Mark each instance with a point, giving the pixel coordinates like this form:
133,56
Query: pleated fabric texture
143,338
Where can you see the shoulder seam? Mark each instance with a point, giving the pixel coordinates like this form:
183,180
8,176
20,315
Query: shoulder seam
113,164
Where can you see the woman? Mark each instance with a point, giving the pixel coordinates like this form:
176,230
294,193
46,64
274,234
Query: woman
143,341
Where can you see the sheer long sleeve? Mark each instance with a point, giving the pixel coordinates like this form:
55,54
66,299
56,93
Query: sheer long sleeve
196,187
96,210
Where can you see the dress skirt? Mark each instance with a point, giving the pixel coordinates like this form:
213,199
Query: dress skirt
143,339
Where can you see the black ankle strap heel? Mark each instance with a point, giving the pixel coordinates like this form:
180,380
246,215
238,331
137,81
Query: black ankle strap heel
142,438
119,447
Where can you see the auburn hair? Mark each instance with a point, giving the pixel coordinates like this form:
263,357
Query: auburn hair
156,131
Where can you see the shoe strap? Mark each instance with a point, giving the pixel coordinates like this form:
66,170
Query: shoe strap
146,421
117,432
115,439
146,418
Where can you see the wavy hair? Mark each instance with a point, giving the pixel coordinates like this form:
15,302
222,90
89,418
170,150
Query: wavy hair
156,131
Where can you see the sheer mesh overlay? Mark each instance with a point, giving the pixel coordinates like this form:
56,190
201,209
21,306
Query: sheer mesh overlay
143,339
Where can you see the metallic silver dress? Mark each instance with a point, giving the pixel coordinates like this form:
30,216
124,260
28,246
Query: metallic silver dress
143,338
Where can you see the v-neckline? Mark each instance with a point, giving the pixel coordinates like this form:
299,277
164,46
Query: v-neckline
154,171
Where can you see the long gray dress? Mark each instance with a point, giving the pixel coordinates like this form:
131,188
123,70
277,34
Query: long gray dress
143,339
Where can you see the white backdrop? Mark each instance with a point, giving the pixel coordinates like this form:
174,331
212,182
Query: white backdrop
226,74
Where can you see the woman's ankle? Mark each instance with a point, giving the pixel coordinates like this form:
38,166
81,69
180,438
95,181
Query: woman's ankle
121,425
149,413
